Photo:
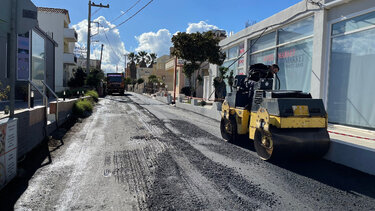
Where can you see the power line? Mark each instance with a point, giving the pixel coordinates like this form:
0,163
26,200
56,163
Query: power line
125,11
132,15
96,11
110,45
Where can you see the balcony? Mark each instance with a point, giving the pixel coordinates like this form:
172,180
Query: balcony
70,35
70,59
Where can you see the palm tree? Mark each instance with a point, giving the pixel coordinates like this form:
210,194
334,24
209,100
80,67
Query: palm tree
152,57
133,58
143,58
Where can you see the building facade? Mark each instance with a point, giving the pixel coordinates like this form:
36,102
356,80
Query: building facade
327,50
34,59
55,22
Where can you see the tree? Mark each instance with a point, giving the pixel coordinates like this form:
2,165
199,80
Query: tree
151,58
128,81
197,48
4,92
143,56
140,80
94,78
153,79
78,79
133,58
134,82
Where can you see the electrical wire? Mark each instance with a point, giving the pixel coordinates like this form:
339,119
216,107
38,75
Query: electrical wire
113,20
131,16
96,11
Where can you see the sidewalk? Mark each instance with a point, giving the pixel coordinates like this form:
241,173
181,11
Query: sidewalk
350,146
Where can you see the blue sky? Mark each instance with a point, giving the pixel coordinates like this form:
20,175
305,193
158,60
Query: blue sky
152,28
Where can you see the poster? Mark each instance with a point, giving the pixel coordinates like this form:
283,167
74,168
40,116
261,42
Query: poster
23,58
8,150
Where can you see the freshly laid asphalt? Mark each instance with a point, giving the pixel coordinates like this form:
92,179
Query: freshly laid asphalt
136,153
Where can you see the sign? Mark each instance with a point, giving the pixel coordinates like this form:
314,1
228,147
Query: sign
23,57
8,150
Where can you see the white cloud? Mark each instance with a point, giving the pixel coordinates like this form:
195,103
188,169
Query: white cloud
158,42
200,27
114,48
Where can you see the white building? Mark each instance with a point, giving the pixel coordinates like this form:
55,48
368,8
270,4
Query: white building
327,50
55,22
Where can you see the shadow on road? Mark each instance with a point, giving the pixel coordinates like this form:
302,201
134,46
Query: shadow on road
34,160
38,158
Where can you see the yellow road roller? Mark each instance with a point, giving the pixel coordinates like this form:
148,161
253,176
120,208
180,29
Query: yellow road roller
282,123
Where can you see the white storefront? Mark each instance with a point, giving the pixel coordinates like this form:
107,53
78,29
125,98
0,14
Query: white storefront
328,51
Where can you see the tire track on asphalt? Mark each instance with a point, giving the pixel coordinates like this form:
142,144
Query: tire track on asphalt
220,177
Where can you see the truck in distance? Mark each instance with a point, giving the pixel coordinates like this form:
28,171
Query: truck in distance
115,83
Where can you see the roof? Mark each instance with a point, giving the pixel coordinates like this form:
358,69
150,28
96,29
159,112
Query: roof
55,10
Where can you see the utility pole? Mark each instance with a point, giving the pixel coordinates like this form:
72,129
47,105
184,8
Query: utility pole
89,32
101,56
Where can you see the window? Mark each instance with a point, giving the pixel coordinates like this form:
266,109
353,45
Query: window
295,62
354,24
38,58
352,73
266,41
265,57
294,53
297,30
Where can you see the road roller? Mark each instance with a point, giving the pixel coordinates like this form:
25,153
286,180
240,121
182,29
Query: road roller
281,123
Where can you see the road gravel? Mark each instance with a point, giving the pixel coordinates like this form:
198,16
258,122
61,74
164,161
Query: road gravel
136,153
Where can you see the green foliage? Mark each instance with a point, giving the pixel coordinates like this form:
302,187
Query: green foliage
186,91
81,108
153,79
202,103
143,58
4,92
93,94
196,48
94,78
128,81
78,80
231,80
71,93
151,59
140,80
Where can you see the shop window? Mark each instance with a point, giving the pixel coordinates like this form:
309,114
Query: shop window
354,24
351,77
38,58
296,31
265,57
295,62
266,41
233,52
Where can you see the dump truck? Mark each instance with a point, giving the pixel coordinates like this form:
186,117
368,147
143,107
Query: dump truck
281,123
115,83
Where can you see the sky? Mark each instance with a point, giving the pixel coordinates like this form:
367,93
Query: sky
152,28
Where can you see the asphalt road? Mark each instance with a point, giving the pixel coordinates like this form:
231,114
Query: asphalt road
136,153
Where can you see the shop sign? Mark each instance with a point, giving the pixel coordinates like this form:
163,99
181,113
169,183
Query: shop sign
8,150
